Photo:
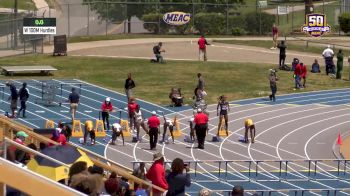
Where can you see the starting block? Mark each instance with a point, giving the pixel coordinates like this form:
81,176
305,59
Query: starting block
49,124
217,139
76,129
99,129
188,139
134,139
222,131
177,131
125,128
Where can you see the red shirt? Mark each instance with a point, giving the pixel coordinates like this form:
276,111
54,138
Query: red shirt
201,119
132,107
156,175
202,43
153,122
297,70
274,30
61,140
106,107
303,71
19,141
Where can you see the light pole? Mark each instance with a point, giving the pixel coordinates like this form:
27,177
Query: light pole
15,10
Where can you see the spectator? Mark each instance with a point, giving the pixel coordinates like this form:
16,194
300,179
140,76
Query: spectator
201,121
303,74
88,183
205,192
129,85
176,97
65,129
157,50
295,62
273,84
13,97
297,75
340,57
132,105
140,172
274,36
23,97
106,108
177,180
141,191
153,126
112,184
156,173
328,57
124,189
282,58
77,168
73,99
237,191
58,137
315,67
202,44
12,152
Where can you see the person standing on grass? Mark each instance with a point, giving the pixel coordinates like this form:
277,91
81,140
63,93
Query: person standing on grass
297,75
23,97
328,57
13,97
303,74
202,45
106,108
224,107
73,99
282,46
153,125
340,57
201,121
273,84
274,36
129,85
249,125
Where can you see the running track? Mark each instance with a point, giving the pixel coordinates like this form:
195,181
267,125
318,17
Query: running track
296,126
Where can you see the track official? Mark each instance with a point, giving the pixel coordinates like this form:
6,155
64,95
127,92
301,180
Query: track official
153,124
201,121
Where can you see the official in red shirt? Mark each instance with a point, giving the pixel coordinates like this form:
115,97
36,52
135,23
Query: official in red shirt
106,108
201,121
132,105
58,137
202,44
153,124
303,73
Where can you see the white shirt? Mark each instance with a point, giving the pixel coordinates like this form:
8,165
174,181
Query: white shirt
328,52
138,116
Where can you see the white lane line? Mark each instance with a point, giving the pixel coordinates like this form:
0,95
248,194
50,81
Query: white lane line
87,111
39,111
64,111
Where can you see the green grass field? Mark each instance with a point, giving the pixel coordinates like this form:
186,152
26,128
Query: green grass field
153,81
22,4
291,45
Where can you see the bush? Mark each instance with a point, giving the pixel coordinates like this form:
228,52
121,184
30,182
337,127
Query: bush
238,31
210,23
253,22
151,23
344,22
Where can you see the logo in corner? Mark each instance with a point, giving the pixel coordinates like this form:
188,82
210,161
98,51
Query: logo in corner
316,25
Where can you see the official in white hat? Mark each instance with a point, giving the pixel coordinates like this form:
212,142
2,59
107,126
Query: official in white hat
201,121
153,127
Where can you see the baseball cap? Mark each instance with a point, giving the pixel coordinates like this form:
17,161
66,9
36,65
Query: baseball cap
199,110
157,156
21,134
108,99
154,113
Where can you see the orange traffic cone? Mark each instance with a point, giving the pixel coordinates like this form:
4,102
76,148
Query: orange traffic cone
339,140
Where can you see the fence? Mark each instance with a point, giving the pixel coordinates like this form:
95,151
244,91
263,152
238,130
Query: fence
110,17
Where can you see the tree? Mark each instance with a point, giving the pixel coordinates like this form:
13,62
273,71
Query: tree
344,22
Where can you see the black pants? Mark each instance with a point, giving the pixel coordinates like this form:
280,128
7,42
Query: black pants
23,108
273,92
105,119
329,65
153,137
201,131
282,60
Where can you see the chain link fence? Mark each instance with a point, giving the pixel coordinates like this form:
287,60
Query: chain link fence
109,18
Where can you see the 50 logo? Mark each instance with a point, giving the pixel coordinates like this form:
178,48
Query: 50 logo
315,25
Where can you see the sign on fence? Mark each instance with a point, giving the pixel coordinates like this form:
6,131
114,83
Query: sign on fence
316,25
176,18
262,4
282,10
39,26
